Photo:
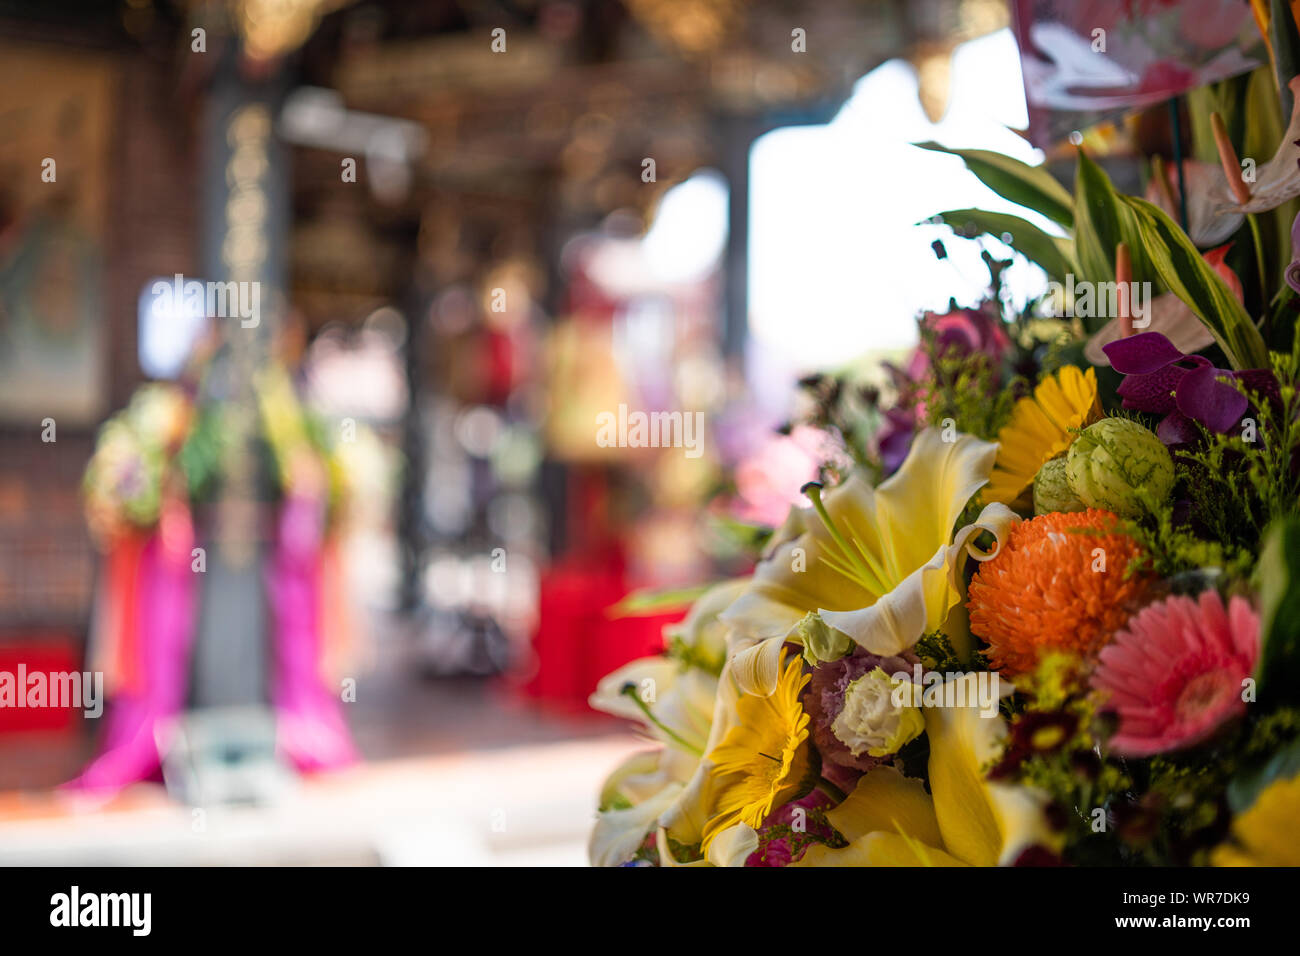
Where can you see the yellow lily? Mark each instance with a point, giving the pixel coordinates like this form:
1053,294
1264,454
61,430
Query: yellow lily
619,832
677,706
881,564
889,820
689,815
731,847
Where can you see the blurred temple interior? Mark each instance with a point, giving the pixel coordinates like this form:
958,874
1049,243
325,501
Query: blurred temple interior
308,312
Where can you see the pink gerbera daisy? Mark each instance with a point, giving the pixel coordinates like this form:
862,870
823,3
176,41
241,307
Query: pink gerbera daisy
1175,673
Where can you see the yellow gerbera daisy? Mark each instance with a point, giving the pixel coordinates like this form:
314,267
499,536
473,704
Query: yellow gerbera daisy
1039,430
762,762
1265,834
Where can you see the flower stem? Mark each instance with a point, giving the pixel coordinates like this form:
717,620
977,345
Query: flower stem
832,791
629,691
1259,252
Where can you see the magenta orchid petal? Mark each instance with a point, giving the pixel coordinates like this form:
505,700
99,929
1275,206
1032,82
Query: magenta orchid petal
1215,404
1261,382
1141,354
1152,392
1177,429
1293,269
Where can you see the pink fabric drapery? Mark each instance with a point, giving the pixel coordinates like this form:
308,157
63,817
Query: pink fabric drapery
310,729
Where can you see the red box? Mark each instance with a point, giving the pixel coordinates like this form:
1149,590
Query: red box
45,654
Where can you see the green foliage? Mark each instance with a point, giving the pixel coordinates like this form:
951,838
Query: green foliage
693,656
966,389
1078,782
937,654
1170,548
1102,222
1278,672
1285,41
1030,186
1251,111
1237,488
1181,268
816,831
650,601
739,537
1053,253
200,455
1278,736
1163,809
848,411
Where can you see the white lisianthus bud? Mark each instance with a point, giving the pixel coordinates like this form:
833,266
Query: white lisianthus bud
871,721
821,642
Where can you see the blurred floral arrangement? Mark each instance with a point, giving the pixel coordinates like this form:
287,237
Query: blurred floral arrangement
163,445
156,465
1041,609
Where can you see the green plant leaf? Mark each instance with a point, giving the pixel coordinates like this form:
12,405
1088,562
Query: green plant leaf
1102,222
1054,254
1286,48
740,535
1181,268
1030,186
1245,788
1278,672
651,601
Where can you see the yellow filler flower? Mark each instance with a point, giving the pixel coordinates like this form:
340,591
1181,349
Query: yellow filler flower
1039,430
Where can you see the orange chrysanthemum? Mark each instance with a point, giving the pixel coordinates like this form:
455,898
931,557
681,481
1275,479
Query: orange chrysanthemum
1051,589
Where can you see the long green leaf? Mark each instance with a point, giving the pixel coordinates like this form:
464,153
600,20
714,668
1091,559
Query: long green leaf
1278,672
1030,186
1190,277
1102,222
1286,49
1051,252
1245,788
651,601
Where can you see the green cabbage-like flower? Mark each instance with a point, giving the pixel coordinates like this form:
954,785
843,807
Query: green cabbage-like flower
1052,491
1118,465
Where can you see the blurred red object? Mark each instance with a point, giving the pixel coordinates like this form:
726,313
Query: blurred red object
577,643
46,654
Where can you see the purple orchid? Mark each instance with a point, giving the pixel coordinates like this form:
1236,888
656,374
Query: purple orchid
1161,380
1292,273
895,438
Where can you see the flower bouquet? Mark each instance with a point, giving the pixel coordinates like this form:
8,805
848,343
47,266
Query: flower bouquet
1039,609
